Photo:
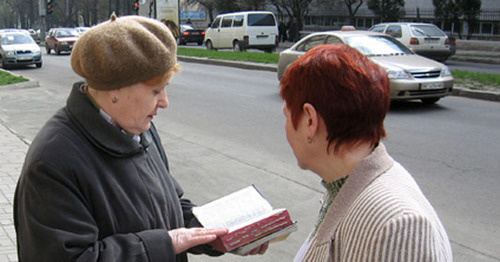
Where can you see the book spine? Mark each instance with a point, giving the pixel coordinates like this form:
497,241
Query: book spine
254,231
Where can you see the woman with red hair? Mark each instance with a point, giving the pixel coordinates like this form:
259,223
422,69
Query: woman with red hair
335,104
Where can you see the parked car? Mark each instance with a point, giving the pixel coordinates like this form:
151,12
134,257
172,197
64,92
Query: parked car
243,30
423,38
61,39
411,76
82,29
33,35
19,48
191,35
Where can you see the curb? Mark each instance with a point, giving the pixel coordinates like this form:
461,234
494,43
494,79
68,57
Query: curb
483,95
484,60
28,84
22,85
237,64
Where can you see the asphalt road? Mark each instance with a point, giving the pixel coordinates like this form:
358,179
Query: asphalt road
224,130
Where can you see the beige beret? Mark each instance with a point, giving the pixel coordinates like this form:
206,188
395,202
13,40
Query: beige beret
124,51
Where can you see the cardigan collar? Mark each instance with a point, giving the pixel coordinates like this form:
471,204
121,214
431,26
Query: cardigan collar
368,170
102,134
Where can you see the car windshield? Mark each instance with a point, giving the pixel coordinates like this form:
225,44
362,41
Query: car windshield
375,45
67,33
16,39
426,30
186,27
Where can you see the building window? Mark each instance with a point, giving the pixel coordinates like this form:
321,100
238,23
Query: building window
486,28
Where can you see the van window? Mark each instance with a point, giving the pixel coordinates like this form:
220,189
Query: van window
238,21
227,21
261,20
215,24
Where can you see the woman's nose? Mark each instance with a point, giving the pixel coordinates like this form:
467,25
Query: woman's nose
163,101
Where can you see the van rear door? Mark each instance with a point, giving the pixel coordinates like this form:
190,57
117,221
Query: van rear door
262,29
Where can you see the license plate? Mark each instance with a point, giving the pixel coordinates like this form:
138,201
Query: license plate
24,58
431,41
262,36
195,33
430,86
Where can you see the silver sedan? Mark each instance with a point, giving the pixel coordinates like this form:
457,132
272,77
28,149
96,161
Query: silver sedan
411,76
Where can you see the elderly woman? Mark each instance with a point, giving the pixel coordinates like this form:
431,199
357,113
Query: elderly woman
95,185
335,104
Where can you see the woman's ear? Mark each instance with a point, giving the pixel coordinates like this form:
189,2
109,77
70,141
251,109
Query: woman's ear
311,118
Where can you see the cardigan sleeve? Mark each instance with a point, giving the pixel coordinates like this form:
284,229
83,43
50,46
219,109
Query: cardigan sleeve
407,237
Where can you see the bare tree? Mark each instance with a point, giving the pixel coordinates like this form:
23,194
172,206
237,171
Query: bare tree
293,8
351,5
387,10
454,10
251,4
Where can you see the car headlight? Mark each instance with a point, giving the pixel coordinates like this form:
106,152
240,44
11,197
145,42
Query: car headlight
64,43
10,53
445,71
397,74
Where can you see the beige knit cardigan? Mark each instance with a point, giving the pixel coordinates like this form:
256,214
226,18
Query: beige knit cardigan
380,214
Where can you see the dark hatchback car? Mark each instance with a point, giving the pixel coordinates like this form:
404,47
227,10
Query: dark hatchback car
191,35
61,39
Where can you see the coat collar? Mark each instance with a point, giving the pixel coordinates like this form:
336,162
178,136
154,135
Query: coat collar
102,134
368,170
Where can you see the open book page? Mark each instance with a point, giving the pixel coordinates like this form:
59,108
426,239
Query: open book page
234,209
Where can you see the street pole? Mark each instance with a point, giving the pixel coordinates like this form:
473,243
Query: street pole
155,12
42,10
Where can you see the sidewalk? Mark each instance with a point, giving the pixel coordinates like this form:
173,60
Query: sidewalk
12,152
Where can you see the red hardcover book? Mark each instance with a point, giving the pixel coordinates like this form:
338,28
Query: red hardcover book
249,217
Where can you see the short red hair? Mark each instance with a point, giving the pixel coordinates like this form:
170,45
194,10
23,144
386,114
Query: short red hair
349,91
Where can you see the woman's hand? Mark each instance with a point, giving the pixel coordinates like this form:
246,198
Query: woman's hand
186,238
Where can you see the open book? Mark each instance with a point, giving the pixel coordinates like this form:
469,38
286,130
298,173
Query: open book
250,218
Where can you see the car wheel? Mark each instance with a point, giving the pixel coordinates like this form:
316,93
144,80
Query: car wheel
38,65
47,48
430,101
209,45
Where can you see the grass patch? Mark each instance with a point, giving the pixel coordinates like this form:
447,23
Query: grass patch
477,81
256,57
7,78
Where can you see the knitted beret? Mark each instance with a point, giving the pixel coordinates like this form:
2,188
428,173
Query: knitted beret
123,51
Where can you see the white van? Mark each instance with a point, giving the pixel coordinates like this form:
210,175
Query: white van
243,30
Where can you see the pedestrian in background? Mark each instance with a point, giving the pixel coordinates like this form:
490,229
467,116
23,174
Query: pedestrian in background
282,31
293,30
335,102
95,185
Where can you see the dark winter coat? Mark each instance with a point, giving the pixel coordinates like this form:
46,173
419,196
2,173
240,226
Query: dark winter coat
88,192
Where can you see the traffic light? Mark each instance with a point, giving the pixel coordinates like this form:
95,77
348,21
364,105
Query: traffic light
136,5
50,6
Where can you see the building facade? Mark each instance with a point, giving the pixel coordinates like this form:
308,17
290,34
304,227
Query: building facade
335,16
